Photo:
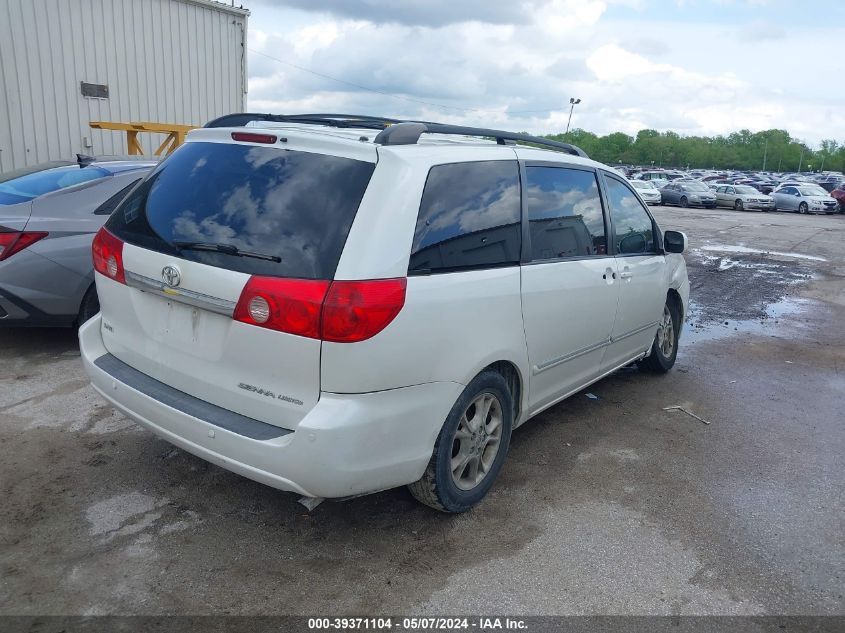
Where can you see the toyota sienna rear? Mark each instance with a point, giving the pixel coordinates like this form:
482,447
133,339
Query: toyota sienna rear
333,314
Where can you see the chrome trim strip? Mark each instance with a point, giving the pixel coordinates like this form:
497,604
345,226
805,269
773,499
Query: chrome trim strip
613,339
189,297
537,369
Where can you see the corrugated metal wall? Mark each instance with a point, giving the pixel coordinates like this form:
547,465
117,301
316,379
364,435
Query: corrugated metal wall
167,61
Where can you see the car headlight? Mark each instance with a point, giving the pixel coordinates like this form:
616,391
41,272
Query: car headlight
694,197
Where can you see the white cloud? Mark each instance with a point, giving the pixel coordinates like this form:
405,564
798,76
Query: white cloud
517,64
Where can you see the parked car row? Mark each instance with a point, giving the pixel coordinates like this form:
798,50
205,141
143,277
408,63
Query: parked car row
802,193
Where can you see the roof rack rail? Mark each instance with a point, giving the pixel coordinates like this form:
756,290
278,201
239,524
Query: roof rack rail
240,119
393,131
409,132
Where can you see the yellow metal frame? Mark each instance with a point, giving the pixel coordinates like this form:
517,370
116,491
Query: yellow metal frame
175,134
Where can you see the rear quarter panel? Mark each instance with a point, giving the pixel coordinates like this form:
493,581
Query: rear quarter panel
451,327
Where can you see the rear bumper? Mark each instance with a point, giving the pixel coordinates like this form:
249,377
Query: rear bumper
348,444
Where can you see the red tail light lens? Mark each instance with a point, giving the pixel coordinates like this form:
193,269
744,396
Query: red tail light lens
15,241
250,137
107,251
357,310
338,311
287,305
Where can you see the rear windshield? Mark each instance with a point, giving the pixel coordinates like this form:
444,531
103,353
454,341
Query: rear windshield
292,208
34,184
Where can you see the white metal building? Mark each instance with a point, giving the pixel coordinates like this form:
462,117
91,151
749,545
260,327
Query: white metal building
64,63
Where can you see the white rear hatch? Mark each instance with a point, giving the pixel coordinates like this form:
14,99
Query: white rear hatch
274,208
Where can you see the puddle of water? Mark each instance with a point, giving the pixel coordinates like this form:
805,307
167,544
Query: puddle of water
696,332
724,248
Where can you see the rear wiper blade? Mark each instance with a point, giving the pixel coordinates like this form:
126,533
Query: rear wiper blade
226,249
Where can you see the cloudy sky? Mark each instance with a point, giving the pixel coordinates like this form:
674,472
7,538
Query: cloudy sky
692,66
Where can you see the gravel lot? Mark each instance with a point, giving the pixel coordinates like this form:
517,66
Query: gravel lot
610,506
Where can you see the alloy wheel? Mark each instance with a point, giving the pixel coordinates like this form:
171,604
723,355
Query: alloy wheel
666,334
476,441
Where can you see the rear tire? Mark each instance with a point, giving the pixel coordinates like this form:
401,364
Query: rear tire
664,349
471,447
89,307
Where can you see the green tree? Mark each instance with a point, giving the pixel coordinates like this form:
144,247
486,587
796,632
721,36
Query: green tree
772,150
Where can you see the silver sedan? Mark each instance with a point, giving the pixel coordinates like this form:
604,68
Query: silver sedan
804,199
49,214
742,197
688,194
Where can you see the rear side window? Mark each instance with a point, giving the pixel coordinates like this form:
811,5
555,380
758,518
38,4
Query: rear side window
109,205
632,226
287,212
32,185
564,213
469,218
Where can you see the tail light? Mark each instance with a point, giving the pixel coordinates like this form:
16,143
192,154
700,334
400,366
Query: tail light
357,310
338,311
12,242
287,305
107,251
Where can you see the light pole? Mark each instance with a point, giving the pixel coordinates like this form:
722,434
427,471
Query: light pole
572,103
765,153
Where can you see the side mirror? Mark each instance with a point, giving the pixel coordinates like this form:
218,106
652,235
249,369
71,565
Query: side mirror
674,241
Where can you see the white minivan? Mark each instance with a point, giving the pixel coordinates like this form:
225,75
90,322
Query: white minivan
339,305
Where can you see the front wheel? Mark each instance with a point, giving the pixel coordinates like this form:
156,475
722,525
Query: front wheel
664,349
684,202
471,447
738,205
803,208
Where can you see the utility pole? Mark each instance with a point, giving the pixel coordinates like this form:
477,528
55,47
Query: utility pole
765,153
800,159
572,103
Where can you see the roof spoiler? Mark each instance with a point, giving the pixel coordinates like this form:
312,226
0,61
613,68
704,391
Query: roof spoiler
394,131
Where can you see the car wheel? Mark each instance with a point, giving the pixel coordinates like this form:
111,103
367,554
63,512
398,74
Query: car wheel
738,205
471,447
803,208
89,307
664,349
684,202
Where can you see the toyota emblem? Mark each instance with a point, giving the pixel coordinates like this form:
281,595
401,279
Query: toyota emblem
171,276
